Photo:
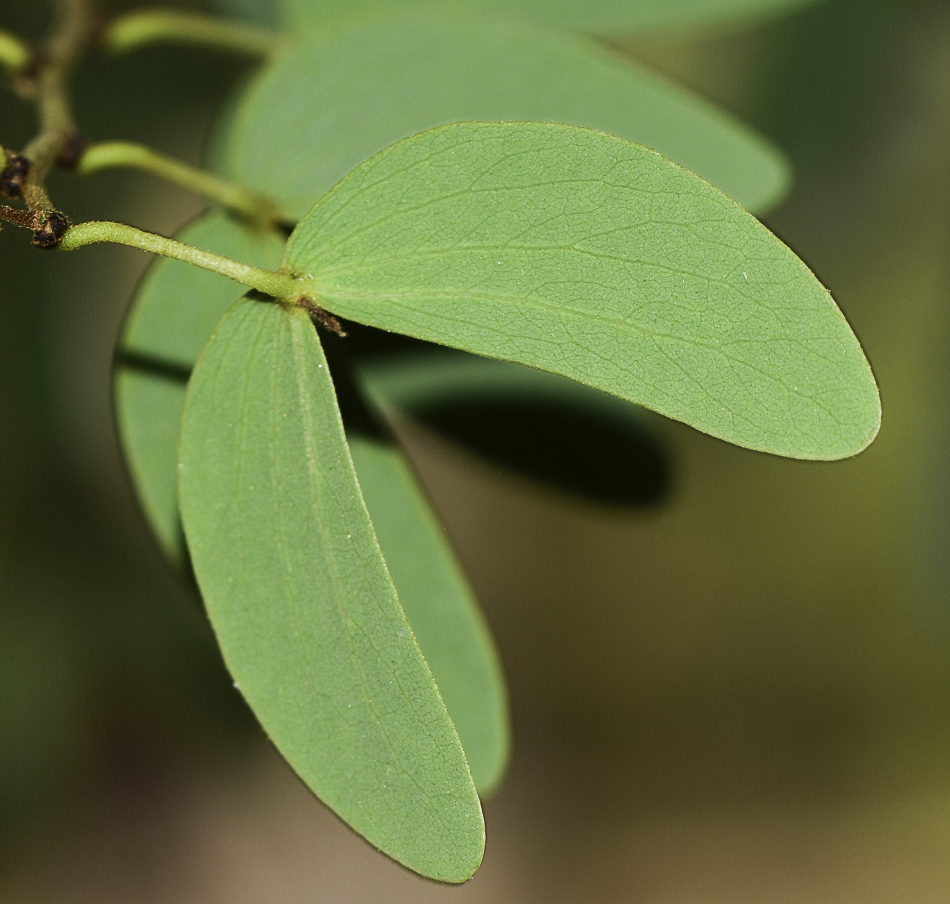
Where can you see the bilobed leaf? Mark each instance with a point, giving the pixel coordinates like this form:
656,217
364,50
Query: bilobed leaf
300,599
331,102
589,15
174,312
588,256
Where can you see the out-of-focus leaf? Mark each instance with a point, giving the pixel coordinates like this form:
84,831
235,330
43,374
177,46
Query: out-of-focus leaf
585,255
589,15
261,12
300,599
148,407
328,104
172,316
545,427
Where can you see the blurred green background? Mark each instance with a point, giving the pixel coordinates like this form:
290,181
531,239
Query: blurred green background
740,695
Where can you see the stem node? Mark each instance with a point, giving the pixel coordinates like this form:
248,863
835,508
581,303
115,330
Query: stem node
51,231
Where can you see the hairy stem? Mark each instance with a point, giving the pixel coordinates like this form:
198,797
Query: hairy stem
135,156
137,29
25,218
14,53
282,286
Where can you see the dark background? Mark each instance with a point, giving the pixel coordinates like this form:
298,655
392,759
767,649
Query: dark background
740,695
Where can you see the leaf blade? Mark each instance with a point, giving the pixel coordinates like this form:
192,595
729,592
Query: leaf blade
148,410
300,599
433,588
585,255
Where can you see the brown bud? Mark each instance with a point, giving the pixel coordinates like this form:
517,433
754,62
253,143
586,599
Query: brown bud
13,176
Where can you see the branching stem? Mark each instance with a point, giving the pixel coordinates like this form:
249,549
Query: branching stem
138,29
60,53
282,286
58,140
110,154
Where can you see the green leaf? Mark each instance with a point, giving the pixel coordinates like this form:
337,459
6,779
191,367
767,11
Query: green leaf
172,316
300,599
328,104
148,408
589,15
585,255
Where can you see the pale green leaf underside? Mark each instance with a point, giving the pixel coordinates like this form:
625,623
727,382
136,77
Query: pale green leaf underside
301,601
590,15
328,104
585,255
172,316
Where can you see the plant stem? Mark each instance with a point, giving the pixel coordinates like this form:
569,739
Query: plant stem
14,53
282,286
25,218
137,29
136,156
59,55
